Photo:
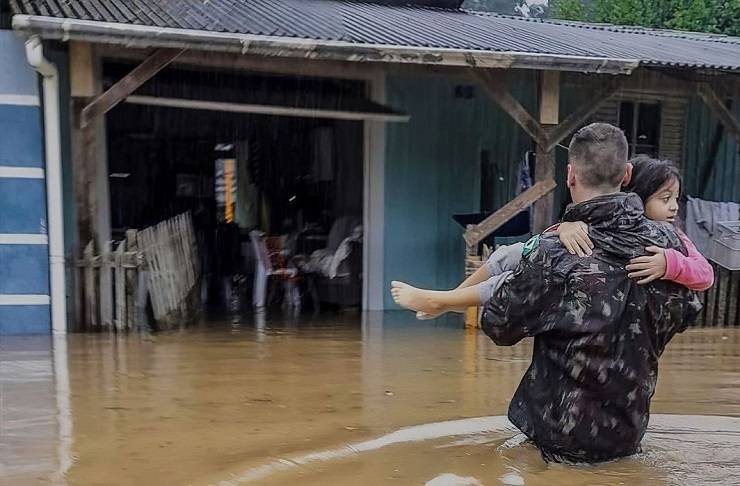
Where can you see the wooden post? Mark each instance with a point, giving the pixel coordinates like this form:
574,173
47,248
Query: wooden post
545,168
82,86
92,199
85,72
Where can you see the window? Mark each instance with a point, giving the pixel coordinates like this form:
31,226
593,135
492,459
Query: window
641,125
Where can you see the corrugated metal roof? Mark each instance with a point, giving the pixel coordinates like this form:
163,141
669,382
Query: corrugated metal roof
362,23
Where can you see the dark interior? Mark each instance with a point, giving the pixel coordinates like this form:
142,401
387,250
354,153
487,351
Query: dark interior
300,179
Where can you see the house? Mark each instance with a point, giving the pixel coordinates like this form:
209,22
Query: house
431,110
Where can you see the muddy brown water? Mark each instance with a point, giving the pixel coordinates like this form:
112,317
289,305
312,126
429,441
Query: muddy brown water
373,399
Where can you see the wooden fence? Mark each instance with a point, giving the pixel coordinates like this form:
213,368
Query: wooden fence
158,264
722,301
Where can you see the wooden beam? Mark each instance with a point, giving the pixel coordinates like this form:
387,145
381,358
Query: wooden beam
81,70
496,88
549,112
550,98
718,109
587,108
266,109
476,233
543,208
129,83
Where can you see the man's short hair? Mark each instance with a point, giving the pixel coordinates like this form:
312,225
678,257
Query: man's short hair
598,153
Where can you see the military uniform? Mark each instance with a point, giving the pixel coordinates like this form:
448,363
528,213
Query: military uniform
597,333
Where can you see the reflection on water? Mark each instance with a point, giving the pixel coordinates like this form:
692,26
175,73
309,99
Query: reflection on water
329,400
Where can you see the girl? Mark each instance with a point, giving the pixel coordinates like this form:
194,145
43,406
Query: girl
658,184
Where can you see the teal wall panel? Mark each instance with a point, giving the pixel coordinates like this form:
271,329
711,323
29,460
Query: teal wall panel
719,181
433,172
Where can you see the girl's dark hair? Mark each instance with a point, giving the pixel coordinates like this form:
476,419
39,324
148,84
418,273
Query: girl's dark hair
649,175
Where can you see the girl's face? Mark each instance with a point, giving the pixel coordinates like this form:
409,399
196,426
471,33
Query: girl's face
663,205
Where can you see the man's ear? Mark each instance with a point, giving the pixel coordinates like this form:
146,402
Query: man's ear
571,180
627,174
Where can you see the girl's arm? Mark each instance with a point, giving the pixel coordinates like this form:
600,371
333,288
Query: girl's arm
574,237
692,271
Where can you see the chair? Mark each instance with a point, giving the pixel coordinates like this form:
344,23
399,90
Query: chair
265,269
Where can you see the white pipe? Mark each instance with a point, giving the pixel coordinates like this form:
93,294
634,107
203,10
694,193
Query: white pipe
54,202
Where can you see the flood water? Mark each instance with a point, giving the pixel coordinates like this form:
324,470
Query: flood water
346,399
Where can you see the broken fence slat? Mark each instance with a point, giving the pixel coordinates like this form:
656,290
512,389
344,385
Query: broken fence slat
119,274
91,308
106,288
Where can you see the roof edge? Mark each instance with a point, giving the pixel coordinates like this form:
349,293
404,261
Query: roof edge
140,36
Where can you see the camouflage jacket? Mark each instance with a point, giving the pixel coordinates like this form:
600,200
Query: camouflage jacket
597,334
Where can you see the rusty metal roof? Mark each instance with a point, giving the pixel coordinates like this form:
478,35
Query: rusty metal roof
357,23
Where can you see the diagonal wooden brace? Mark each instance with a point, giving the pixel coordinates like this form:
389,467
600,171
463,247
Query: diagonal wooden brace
496,88
128,84
587,108
718,109
476,233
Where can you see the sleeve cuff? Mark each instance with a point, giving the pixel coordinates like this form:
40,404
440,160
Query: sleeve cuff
671,267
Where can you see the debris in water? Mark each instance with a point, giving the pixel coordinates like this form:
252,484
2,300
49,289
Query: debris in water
512,479
453,480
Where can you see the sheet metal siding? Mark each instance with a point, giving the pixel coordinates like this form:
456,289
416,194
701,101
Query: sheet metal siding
724,175
433,171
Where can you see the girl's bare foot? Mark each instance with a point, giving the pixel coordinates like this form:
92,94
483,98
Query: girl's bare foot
414,299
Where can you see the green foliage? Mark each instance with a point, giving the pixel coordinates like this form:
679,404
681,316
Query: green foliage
567,9
713,16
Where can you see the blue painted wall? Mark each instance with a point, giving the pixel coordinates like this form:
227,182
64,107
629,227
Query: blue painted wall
433,171
24,267
21,133
16,77
22,204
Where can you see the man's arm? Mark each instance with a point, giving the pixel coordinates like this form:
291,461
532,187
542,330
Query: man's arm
530,301
523,306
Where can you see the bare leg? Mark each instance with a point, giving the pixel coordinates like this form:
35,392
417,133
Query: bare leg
480,275
434,302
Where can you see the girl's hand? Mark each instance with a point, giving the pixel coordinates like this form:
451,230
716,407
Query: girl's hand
574,236
649,267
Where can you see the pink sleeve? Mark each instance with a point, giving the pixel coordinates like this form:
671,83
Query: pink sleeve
692,271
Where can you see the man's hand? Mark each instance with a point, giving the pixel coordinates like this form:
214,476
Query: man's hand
649,267
574,237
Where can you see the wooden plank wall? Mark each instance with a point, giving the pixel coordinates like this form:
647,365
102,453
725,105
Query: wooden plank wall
673,118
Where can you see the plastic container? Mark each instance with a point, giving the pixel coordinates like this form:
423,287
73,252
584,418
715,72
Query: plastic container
724,248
